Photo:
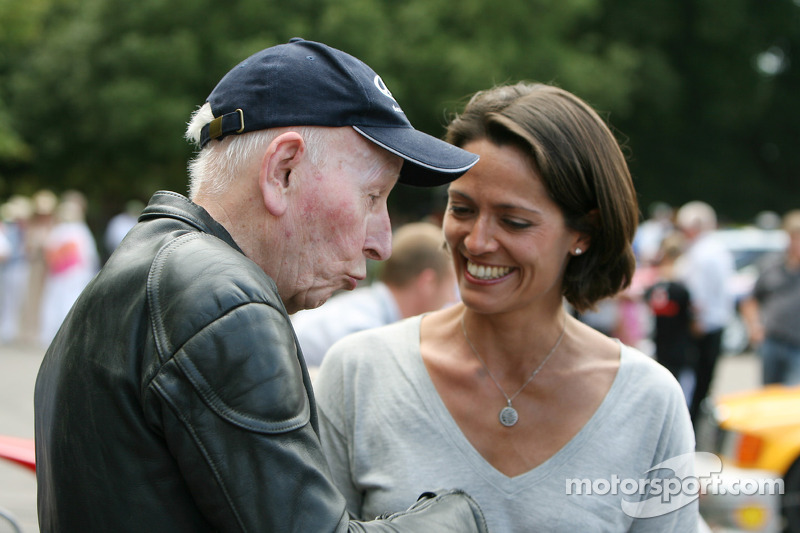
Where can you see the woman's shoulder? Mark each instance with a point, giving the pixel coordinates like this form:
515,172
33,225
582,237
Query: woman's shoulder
641,362
645,373
402,331
374,346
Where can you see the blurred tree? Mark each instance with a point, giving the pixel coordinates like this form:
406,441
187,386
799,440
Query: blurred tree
21,28
94,94
433,54
104,95
714,115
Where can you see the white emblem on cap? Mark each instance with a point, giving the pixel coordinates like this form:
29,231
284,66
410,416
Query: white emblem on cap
383,88
386,92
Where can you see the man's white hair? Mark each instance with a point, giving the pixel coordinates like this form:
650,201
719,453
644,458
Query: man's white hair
217,166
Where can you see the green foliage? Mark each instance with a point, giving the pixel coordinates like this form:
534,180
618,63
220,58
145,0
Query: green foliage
704,119
21,26
95,94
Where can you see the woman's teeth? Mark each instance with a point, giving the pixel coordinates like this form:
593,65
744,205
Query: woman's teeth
486,272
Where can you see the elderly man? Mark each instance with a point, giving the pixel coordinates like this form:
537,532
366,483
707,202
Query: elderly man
174,398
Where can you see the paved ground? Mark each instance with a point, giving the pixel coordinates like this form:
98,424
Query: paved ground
18,367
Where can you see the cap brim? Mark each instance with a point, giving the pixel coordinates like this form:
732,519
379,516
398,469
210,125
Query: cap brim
429,161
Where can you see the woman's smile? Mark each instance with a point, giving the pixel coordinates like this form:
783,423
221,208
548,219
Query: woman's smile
487,272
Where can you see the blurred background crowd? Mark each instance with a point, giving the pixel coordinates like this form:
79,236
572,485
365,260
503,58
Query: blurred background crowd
47,256
48,253
700,292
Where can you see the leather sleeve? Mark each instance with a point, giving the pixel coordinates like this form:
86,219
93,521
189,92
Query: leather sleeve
236,419
234,404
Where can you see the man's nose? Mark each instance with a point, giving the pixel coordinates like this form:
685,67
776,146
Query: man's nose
378,245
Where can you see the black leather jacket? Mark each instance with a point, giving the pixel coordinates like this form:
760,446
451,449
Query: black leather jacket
174,399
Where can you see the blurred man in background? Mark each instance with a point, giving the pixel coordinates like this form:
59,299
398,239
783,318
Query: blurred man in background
706,269
772,313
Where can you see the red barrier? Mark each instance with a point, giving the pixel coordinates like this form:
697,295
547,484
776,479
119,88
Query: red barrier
18,450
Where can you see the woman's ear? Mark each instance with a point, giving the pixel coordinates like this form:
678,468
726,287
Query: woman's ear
581,245
583,237
282,156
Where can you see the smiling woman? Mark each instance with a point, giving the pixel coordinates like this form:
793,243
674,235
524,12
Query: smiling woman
505,394
581,168
510,241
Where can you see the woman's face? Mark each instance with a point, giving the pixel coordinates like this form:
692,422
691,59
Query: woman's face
509,241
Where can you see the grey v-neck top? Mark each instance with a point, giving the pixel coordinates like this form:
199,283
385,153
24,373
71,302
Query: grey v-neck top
389,437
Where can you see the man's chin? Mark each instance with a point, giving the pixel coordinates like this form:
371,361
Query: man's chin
318,304
314,301
319,297
303,305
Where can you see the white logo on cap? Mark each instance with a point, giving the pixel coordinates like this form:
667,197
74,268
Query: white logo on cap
386,92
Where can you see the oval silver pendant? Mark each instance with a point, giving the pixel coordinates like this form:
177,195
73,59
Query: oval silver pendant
508,416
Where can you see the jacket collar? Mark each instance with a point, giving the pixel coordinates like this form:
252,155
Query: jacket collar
173,205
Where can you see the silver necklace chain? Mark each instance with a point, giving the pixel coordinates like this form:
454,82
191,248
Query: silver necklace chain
508,415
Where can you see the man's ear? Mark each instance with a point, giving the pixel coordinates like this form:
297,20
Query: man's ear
274,178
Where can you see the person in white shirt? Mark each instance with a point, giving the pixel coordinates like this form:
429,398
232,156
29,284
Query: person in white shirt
72,261
706,269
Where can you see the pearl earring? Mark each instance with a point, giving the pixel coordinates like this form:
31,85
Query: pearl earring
578,251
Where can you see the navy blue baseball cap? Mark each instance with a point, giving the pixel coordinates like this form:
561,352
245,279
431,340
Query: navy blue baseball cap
305,83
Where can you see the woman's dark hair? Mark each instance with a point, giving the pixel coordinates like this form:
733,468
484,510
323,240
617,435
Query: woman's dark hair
582,168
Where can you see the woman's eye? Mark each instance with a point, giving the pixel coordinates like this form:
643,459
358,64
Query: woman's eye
459,210
517,224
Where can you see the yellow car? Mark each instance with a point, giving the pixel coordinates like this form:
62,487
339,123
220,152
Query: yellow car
756,434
